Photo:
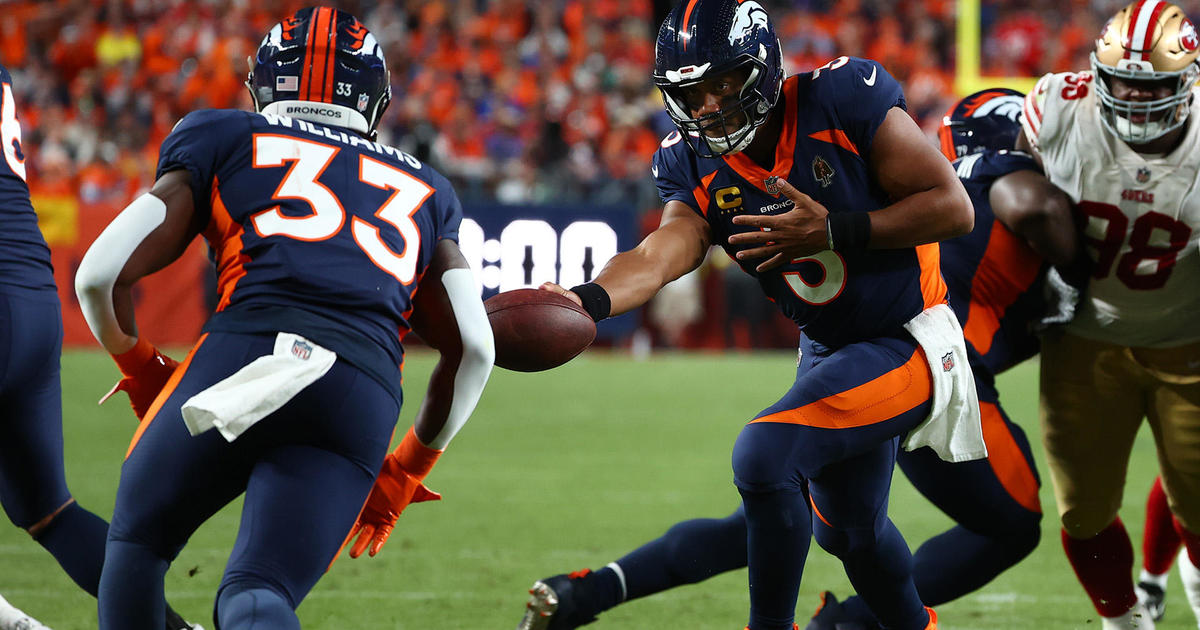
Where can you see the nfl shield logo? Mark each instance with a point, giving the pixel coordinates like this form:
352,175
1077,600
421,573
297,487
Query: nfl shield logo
362,101
301,350
947,362
772,184
1143,175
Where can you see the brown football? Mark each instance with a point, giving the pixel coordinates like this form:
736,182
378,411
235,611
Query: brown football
537,330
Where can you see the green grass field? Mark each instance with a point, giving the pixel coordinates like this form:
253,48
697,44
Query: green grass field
557,471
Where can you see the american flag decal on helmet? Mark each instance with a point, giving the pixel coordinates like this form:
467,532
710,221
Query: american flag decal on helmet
287,83
301,350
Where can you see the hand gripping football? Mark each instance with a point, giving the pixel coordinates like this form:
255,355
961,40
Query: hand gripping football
537,330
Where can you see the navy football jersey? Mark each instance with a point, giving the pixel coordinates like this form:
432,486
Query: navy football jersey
995,277
830,118
24,257
314,230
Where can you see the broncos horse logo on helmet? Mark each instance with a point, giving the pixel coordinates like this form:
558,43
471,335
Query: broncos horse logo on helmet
321,65
986,120
701,39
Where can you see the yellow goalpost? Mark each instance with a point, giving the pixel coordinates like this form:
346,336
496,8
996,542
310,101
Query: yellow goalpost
968,42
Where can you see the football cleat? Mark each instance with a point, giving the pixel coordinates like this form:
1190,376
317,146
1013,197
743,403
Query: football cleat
12,618
176,622
555,603
827,615
1153,597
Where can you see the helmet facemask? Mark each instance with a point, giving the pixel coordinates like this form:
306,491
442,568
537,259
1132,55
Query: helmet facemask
1158,117
750,108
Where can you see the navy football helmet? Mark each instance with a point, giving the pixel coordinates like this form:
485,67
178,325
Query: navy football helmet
322,55
986,120
701,39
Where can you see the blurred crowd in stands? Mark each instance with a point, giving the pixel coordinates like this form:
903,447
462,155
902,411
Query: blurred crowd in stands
521,101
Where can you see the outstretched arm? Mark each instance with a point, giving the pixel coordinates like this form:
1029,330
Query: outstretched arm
631,278
449,316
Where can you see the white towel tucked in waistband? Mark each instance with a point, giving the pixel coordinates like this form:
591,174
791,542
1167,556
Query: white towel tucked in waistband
953,429
258,389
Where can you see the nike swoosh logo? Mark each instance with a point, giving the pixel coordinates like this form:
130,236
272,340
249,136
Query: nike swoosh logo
654,169
871,81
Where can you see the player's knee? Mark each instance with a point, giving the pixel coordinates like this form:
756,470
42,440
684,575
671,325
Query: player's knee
844,543
1082,524
247,604
759,468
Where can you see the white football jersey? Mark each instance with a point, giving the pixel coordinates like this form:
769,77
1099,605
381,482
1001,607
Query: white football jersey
1142,216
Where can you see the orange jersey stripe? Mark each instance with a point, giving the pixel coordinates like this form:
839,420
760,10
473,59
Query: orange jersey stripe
1006,270
701,192
933,285
835,136
167,389
881,398
1007,460
785,150
224,235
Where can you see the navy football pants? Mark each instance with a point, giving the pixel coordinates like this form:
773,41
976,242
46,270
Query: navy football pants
819,462
33,485
994,503
306,471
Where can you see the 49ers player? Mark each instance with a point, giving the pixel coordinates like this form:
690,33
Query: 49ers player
1117,139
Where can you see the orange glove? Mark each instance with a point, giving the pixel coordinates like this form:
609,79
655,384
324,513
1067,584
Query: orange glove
394,489
145,371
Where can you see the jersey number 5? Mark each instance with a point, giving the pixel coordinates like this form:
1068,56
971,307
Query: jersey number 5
833,278
308,161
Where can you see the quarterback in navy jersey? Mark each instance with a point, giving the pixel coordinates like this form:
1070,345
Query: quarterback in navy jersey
825,190
995,274
321,238
33,486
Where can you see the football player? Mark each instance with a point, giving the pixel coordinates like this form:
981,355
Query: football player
824,189
33,486
997,278
1122,141
321,238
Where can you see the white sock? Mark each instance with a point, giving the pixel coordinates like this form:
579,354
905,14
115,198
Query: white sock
1190,576
1135,618
1157,579
616,568
10,616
